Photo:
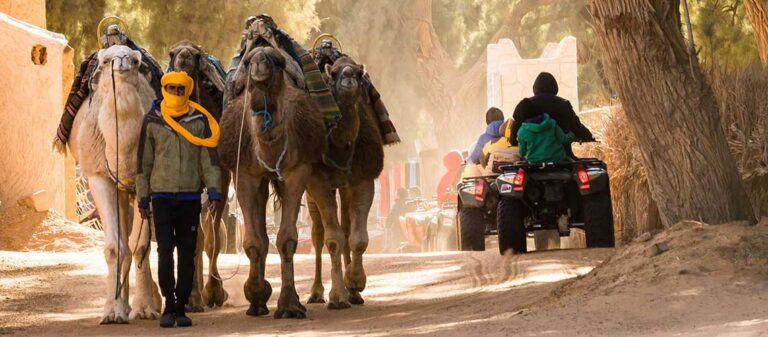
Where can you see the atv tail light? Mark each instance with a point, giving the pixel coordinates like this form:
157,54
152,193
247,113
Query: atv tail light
479,190
518,181
583,177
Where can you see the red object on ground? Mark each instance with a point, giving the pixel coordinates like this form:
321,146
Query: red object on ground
452,162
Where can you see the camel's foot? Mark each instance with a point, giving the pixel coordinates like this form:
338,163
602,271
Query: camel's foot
195,302
144,307
116,312
257,296
257,309
338,305
194,307
338,299
289,305
316,298
355,297
355,278
214,294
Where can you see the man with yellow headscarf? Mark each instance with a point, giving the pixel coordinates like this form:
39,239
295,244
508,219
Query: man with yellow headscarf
177,155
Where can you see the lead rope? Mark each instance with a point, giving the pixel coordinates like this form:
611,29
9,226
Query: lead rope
237,179
118,275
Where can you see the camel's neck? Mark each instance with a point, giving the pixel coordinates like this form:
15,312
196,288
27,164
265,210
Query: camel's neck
126,106
349,124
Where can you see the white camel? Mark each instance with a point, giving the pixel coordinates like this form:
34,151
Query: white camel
104,141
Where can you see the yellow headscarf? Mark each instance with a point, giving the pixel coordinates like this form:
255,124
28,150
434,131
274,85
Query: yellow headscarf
177,106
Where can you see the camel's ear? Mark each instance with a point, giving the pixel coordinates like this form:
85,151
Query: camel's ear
136,55
364,69
328,69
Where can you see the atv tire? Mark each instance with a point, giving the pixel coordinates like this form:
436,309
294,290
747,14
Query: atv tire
472,229
511,221
598,220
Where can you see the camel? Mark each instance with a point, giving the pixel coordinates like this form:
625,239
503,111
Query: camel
283,136
360,152
209,92
110,167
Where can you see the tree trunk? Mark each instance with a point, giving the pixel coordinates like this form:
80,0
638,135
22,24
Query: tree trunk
757,10
672,111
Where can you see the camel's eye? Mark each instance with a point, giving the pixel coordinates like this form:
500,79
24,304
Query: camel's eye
106,61
135,61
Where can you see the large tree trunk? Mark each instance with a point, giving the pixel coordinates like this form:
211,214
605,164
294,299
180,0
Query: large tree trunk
672,111
757,10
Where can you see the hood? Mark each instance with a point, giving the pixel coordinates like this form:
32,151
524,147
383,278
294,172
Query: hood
452,160
493,129
545,84
539,124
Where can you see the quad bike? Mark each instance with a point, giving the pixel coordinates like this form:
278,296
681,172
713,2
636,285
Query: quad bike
556,197
476,212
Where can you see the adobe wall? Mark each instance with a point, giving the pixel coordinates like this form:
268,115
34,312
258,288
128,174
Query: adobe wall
30,11
31,102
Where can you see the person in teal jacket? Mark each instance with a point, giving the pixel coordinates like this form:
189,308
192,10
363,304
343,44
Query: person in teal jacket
541,140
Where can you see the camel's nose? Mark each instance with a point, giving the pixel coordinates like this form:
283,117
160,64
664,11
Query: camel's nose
123,64
348,78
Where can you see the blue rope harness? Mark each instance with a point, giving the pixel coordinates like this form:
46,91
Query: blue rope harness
266,116
268,123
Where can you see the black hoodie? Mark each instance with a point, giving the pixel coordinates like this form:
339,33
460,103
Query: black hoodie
545,100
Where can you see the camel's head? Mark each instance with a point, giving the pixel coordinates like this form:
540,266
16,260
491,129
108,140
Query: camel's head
265,67
123,61
186,57
346,80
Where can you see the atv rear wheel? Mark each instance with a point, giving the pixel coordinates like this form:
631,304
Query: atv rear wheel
598,220
511,221
472,229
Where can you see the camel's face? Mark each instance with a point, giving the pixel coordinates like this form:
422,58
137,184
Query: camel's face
122,60
346,78
266,64
186,58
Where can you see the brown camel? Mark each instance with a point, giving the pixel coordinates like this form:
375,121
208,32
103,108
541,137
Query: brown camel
209,92
355,159
283,135
104,140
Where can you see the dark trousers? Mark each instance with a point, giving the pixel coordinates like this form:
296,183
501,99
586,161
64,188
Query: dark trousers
176,225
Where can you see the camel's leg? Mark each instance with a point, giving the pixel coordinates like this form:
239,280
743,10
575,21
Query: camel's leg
325,198
346,222
146,302
104,192
252,194
360,201
196,296
318,291
292,189
214,294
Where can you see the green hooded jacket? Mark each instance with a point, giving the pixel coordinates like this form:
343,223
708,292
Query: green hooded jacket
541,140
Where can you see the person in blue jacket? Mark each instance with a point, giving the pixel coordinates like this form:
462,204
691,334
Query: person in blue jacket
494,117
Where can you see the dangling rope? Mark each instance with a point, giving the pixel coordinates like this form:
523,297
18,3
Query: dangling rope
118,275
237,179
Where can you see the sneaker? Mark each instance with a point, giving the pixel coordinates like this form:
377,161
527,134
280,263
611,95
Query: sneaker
181,317
168,319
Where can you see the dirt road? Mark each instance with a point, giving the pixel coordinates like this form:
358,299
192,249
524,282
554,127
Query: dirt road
449,294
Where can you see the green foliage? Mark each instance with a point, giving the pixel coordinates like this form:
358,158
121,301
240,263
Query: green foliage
722,33
157,25
465,26
77,20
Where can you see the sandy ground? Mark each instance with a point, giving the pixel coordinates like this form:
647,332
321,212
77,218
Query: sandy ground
712,281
